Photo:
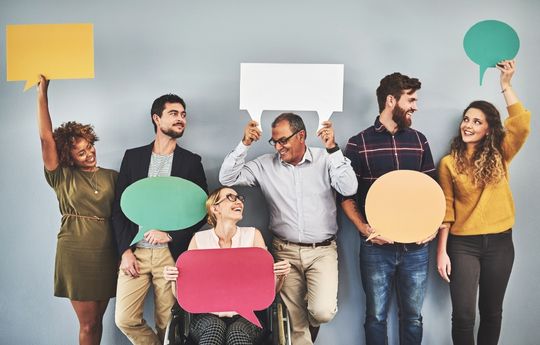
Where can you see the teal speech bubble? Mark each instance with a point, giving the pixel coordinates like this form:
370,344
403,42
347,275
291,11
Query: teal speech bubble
164,203
490,41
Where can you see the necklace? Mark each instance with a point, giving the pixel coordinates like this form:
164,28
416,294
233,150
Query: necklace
93,181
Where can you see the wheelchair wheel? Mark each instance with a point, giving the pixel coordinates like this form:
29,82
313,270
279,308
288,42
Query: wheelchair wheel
178,327
284,326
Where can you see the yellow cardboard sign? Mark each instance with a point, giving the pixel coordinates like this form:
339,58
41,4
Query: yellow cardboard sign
58,51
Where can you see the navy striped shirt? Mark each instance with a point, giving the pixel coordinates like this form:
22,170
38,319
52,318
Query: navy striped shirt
375,151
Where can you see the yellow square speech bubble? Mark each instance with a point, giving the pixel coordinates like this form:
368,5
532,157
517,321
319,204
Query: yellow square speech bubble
58,51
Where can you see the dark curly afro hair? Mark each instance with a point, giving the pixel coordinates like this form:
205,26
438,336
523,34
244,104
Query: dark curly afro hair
67,135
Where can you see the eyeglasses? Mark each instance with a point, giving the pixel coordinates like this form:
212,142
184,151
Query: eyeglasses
232,198
283,141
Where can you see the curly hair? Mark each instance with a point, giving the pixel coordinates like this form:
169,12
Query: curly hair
486,165
67,135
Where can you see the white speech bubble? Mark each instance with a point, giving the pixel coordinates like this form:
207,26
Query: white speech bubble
291,87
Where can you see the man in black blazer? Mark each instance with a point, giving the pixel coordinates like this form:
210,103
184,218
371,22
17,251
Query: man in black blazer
142,264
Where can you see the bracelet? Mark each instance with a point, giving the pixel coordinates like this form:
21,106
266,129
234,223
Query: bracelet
506,88
333,149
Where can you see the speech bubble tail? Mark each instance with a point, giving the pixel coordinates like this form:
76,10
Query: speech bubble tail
323,116
251,317
482,72
373,235
29,83
138,237
256,115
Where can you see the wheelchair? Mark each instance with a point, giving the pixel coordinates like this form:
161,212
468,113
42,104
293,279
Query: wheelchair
275,321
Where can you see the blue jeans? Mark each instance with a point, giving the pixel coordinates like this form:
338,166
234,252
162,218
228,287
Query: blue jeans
382,267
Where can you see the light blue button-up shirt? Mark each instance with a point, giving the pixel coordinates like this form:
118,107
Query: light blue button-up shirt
300,198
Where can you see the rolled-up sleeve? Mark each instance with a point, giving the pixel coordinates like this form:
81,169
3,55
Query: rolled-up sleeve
342,176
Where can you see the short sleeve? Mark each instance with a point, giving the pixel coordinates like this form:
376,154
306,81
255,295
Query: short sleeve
55,177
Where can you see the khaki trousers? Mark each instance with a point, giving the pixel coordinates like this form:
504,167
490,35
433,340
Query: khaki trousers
310,290
131,293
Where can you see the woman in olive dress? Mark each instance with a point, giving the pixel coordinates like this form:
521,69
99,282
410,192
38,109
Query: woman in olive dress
86,260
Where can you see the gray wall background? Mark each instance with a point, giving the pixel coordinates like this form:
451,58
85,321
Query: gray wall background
194,48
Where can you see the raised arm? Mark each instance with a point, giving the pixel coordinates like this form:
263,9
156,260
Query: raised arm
235,171
518,123
507,68
342,176
48,146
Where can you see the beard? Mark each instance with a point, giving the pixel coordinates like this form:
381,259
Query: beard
173,134
400,118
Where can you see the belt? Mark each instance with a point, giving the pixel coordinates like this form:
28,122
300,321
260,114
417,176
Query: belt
324,243
96,218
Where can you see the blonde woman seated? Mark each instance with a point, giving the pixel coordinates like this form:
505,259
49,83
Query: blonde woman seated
225,208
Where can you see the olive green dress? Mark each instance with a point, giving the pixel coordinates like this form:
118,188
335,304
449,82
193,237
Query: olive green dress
86,265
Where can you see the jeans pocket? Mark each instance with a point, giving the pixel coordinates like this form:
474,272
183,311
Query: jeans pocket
365,243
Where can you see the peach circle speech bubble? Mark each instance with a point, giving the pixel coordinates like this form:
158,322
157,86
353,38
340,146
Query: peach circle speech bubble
223,280
405,206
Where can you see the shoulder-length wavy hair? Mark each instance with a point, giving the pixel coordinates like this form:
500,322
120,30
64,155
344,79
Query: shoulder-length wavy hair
486,165
67,135
211,201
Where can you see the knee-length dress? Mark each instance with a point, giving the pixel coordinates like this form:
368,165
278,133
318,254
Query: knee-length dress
86,265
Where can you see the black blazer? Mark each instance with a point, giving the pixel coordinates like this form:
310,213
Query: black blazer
134,167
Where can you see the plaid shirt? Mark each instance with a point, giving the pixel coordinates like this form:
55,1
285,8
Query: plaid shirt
375,151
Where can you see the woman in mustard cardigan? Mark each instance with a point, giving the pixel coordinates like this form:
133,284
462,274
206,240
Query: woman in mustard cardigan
475,250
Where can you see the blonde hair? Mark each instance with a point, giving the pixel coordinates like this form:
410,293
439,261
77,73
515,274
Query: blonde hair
211,201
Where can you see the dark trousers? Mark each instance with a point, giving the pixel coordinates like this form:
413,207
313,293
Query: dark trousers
480,264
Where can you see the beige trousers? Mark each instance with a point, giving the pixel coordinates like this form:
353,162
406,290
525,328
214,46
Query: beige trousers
131,293
310,290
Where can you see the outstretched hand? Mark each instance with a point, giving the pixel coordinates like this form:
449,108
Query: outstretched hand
326,133
282,268
43,85
251,133
170,273
507,68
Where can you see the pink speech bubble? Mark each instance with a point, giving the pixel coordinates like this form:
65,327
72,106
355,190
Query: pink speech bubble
222,280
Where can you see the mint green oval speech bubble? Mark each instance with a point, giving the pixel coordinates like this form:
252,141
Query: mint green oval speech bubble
164,203
490,41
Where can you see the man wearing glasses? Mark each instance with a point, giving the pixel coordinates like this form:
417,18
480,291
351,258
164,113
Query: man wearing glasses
298,183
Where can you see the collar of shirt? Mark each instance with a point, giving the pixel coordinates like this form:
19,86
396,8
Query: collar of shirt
379,127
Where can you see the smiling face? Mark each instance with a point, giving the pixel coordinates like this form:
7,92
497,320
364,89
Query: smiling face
227,209
474,127
172,121
293,150
404,109
83,154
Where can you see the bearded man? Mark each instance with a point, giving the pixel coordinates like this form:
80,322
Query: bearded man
390,144
142,263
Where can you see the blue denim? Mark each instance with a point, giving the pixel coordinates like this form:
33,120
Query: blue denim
404,266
